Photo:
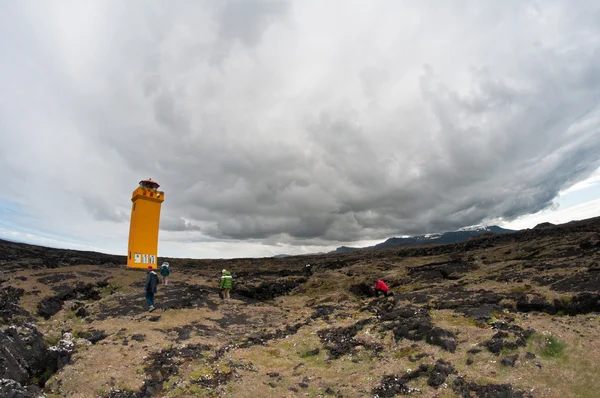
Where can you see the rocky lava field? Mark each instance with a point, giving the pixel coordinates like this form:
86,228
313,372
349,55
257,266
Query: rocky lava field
512,315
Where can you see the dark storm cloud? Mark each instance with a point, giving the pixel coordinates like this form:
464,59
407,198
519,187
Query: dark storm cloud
177,224
303,122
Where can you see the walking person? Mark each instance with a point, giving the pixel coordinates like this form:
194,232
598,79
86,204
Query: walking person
308,270
226,284
164,271
380,286
151,286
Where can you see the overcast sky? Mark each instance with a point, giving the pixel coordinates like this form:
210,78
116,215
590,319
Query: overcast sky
295,126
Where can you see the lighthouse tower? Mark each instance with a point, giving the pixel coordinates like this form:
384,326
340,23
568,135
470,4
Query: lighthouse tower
143,228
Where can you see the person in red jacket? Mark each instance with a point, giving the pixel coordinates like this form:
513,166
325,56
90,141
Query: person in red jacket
380,287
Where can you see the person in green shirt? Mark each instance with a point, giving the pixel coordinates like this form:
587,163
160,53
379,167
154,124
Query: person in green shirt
226,284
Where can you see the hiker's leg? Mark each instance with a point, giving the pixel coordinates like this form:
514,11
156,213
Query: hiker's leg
149,299
227,294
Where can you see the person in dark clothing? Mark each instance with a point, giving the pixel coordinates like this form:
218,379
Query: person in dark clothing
308,270
164,271
380,287
151,285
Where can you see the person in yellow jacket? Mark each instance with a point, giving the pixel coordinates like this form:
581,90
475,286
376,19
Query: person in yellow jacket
226,284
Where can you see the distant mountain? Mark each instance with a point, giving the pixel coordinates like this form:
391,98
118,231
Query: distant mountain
461,235
544,225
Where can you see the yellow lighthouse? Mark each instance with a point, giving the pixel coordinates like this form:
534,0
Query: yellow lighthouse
143,228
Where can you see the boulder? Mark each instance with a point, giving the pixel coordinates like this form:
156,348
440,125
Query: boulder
22,353
13,389
510,360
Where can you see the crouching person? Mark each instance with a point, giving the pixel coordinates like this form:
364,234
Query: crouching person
380,287
226,284
151,286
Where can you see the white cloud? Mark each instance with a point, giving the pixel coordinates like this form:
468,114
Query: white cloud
574,213
283,126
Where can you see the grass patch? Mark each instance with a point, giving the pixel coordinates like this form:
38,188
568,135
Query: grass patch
71,315
110,289
274,352
546,345
307,353
495,316
51,340
171,383
448,394
508,351
521,289
201,374
566,300
176,392
508,303
404,352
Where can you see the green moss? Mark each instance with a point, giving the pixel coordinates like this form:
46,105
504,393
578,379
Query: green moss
448,394
521,289
305,353
285,345
274,352
494,316
171,382
451,381
553,348
110,289
547,346
566,300
403,352
200,373
195,390
508,351
46,375
177,392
